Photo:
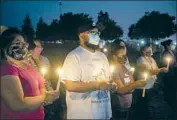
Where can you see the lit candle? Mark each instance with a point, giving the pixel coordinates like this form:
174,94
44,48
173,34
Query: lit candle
111,69
59,71
105,49
168,62
132,69
144,90
43,71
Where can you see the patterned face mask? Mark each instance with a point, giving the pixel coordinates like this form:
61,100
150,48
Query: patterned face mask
18,50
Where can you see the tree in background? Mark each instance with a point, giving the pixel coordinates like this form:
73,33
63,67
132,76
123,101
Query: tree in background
112,30
42,29
27,28
54,28
153,26
70,22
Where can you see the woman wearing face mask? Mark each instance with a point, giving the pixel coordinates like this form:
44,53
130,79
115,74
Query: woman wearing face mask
39,61
22,88
169,79
125,82
146,63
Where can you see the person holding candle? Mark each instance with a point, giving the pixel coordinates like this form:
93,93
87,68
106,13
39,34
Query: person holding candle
39,61
169,79
125,60
124,81
168,53
22,87
146,64
86,77
42,64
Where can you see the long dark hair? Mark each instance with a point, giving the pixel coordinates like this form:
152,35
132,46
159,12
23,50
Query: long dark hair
6,39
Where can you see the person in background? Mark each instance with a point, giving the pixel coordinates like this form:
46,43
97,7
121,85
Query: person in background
39,61
2,29
169,79
125,82
126,60
146,64
86,77
36,49
22,87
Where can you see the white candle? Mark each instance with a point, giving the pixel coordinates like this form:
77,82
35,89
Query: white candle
168,62
59,71
43,71
111,71
144,90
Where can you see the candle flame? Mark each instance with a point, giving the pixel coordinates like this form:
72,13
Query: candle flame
168,59
59,71
105,49
132,69
43,71
145,75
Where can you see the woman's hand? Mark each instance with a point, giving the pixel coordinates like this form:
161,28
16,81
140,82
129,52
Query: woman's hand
51,96
140,83
164,69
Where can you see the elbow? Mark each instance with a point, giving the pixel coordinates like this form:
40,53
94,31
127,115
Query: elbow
17,108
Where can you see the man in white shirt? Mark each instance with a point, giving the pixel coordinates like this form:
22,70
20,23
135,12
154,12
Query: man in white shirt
86,78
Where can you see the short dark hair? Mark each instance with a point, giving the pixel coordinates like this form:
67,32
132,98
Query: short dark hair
117,48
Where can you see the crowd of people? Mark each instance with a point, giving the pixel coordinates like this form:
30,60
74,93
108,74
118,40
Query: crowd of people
86,75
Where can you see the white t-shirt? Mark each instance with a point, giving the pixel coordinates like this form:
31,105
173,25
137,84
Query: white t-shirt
151,79
82,66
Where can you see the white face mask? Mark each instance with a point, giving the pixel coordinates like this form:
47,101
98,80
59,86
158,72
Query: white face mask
94,39
173,47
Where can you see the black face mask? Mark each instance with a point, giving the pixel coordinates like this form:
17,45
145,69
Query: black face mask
18,50
122,60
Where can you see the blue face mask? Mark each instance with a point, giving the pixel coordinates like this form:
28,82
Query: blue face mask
94,39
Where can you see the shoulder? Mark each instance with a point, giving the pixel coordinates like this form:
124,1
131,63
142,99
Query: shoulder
140,59
72,56
8,69
165,53
102,55
153,59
